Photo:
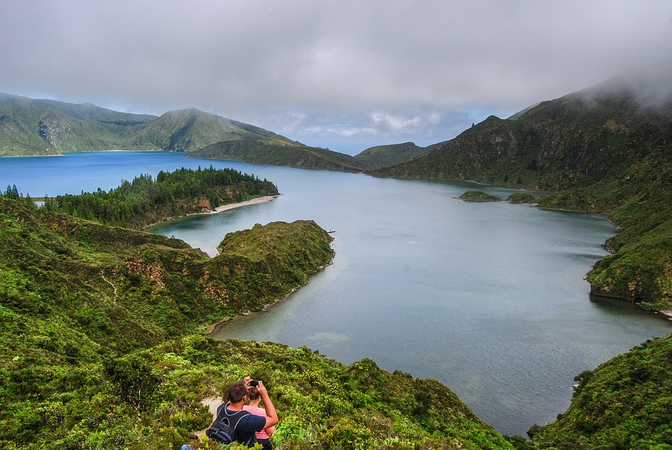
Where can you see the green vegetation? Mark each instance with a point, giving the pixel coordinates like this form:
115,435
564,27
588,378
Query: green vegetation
521,197
190,129
626,403
478,196
272,152
127,288
100,344
146,201
46,127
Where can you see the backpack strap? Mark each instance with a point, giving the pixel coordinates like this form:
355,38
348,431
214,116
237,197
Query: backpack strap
233,418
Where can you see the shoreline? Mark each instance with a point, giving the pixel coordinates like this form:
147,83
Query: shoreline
222,208
212,328
229,206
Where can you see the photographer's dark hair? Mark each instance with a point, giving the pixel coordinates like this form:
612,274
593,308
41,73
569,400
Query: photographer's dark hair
237,391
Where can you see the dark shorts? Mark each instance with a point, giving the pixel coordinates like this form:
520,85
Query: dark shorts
265,443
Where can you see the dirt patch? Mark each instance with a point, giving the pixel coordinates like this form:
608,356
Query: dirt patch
212,403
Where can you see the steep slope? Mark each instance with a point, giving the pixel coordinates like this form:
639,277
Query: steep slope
570,142
389,155
274,152
625,403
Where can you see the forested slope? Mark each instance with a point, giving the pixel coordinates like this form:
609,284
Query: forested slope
146,201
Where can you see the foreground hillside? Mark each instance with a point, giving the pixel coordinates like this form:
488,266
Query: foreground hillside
129,289
600,150
98,345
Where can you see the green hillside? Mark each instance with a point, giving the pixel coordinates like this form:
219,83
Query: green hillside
389,155
571,142
274,152
601,150
190,129
102,346
626,403
47,127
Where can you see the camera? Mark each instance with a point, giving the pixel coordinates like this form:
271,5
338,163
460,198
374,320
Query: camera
254,383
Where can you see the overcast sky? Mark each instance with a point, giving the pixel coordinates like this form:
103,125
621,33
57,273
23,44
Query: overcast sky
339,74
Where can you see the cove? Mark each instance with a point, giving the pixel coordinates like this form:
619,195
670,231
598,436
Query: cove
487,298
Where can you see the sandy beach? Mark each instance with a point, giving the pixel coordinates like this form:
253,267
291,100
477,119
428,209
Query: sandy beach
226,207
254,201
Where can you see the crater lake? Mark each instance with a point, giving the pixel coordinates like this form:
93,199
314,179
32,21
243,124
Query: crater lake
487,298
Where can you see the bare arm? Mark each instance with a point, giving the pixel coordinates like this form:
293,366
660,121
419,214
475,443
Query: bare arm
271,415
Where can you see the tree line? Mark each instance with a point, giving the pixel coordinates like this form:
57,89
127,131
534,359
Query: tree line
145,200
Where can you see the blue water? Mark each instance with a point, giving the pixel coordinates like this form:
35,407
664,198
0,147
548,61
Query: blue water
487,298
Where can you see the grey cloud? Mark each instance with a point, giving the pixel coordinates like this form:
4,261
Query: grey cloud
259,61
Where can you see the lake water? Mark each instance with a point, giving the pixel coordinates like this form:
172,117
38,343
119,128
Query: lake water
487,298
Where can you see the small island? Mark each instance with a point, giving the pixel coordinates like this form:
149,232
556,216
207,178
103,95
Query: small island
478,196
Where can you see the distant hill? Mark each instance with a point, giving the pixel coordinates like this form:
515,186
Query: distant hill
389,155
190,129
279,153
48,127
570,142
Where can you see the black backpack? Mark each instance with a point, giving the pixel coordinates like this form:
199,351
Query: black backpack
223,429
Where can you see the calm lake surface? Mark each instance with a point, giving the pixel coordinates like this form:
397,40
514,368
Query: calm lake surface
487,298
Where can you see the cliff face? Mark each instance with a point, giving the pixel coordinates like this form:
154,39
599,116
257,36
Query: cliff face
54,129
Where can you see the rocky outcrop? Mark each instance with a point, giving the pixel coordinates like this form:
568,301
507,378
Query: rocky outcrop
54,129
